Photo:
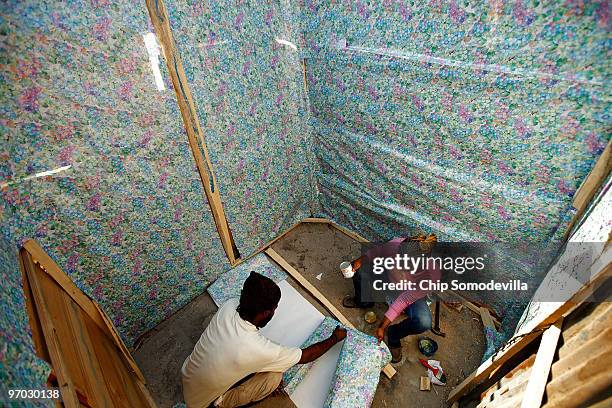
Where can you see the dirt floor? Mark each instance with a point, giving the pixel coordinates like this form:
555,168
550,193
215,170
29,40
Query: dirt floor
316,250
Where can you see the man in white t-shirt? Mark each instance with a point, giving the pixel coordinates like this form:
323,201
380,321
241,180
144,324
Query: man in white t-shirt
232,364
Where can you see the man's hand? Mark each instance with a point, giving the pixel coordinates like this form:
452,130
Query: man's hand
316,350
380,334
339,334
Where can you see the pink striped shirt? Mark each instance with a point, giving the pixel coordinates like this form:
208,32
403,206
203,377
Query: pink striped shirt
407,297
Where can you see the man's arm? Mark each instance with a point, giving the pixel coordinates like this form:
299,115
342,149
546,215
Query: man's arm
316,350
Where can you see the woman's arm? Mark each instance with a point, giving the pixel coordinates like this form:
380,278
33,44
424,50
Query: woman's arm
380,331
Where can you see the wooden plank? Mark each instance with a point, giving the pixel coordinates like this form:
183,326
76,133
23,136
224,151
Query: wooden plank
85,356
317,220
67,389
425,384
532,397
161,23
388,369
111,331
123,387
308,286
590,185
89,306
487,320
518,343
37,334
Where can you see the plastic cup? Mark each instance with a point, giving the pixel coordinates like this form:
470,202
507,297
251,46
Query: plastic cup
347,269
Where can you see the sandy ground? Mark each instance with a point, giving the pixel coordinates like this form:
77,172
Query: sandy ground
318,249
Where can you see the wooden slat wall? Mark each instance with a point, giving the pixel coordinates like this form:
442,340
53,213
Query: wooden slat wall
580,375
508,390
585,358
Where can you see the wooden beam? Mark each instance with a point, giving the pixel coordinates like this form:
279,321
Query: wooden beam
520,342
487,320
388,369
532,397
590,185
66,386
161,23
308,286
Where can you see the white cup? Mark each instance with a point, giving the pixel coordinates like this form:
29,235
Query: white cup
347,269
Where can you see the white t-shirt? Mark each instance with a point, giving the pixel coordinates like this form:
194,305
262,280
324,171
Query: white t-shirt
230,349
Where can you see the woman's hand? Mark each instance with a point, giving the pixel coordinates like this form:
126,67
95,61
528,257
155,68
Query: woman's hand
380,334
380,331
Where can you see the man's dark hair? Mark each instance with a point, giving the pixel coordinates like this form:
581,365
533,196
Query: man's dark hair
258,294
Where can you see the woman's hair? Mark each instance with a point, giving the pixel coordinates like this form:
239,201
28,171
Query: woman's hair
258,294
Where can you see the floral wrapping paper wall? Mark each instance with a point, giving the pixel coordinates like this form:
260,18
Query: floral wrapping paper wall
229,285
246,81
473,120
128,221
357,371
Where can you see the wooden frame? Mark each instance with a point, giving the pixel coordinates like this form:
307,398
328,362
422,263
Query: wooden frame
161,23
39,256
90,353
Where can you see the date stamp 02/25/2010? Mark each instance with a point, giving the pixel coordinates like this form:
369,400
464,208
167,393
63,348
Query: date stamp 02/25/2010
33,394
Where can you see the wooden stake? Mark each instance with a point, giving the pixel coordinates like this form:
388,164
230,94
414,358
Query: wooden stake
425,384
161,23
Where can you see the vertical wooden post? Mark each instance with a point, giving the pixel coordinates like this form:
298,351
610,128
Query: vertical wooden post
159,18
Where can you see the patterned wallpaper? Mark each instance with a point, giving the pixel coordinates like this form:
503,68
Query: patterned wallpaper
246,78
471,119
476,120
128,220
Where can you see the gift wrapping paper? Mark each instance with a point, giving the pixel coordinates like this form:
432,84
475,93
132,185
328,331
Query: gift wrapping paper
357,372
